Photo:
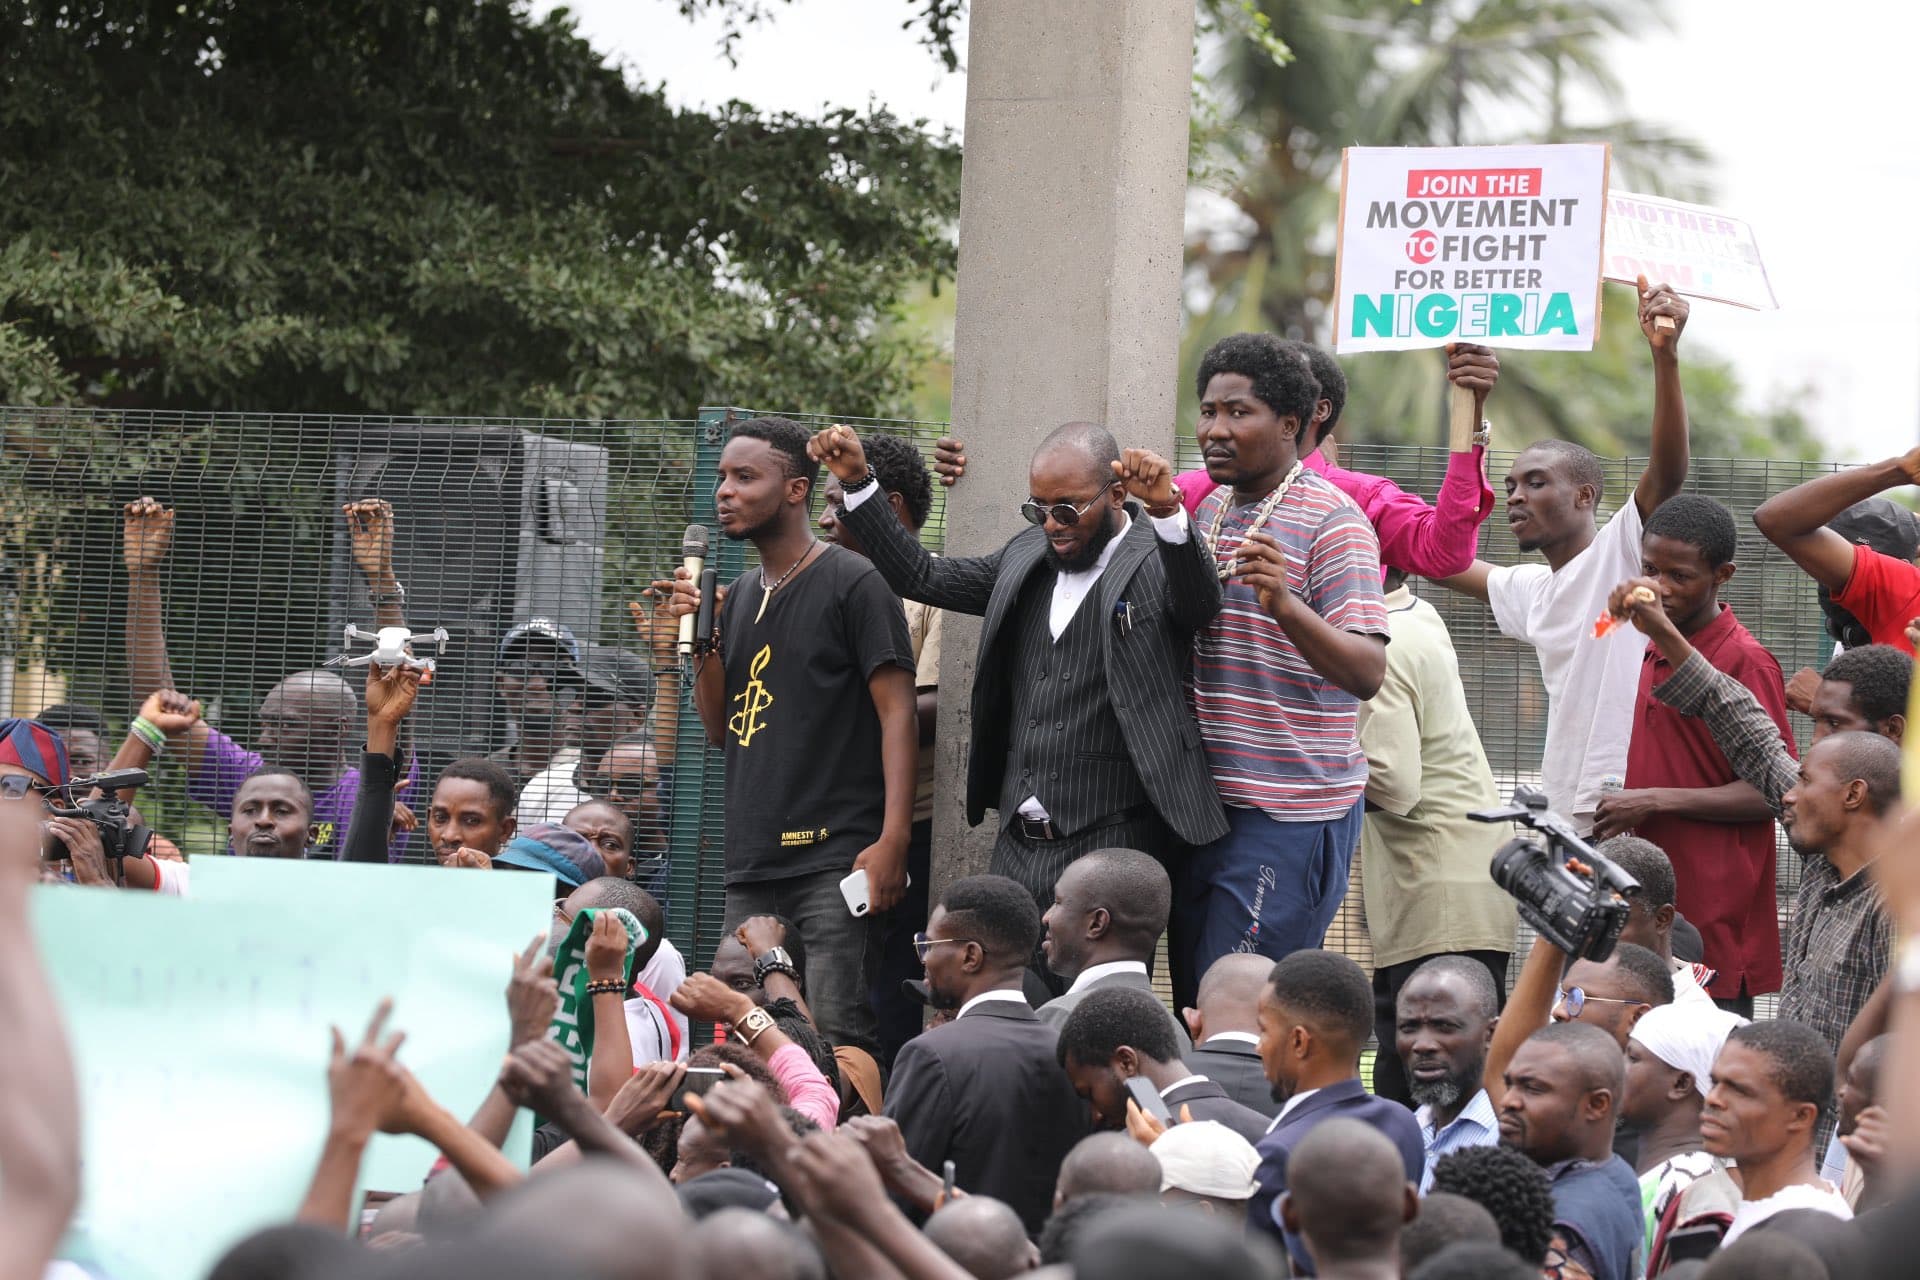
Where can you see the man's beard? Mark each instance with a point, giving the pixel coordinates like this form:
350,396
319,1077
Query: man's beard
1087,555
1440,1094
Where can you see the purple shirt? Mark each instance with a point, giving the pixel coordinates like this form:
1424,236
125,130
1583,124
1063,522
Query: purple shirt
225,764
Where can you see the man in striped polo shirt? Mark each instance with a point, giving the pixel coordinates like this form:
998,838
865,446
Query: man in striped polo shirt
1278,676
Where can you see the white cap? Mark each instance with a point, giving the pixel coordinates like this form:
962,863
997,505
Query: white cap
1205,1158
1686,1038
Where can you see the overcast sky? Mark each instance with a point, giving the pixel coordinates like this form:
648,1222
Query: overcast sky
1803,117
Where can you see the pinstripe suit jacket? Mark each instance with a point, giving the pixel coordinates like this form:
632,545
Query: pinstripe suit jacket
1174,592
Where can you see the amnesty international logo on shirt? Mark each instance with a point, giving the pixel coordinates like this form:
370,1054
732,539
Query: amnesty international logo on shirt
753,700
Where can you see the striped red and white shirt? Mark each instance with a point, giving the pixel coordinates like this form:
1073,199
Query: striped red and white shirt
1280,737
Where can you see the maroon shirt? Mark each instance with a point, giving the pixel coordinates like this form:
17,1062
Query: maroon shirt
1723,872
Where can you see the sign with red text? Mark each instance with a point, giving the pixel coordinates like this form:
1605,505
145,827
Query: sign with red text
1701,252
1494,245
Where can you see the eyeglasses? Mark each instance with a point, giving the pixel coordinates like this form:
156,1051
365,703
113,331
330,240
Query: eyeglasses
1576,999
15,786
922,944
560,911
1061,513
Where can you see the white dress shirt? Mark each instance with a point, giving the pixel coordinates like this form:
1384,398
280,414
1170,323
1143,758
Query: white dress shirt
1244,1037
1070,588
1093,973
1289,1105
1003,993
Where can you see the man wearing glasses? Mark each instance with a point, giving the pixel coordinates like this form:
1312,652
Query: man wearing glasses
1082,736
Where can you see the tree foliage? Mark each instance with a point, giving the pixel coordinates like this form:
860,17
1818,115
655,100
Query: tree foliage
384,206
1390,73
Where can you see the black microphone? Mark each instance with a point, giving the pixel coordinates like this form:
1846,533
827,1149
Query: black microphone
709,580
693,552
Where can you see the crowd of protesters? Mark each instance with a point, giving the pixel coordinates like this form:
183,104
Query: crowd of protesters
1196,699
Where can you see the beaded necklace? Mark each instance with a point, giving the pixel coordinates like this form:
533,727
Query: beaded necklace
767,589
1260,518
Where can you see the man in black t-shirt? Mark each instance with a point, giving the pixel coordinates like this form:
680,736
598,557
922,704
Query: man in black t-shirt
811,693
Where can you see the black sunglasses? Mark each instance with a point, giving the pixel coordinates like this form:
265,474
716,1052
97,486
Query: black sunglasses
1062,513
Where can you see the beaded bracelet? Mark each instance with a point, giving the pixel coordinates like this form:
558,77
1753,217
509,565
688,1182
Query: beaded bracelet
148,732
610,987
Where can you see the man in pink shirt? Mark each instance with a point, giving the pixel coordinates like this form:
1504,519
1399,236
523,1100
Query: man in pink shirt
1434,541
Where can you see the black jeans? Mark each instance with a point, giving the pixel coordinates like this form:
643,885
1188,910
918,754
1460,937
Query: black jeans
1389,1073
841,951
900,1015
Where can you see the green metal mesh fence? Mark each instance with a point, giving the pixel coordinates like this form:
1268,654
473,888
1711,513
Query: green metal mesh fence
499,521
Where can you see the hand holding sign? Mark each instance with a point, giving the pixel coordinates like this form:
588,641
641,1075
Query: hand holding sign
1663,314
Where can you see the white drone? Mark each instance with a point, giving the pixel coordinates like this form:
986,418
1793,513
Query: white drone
392,647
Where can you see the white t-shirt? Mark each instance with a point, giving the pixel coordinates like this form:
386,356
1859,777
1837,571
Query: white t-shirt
550,795
1591,684
1821,1196
663,976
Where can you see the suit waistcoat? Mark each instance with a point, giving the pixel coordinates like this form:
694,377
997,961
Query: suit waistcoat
1064,744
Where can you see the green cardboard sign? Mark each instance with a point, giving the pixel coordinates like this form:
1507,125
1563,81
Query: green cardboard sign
200,1035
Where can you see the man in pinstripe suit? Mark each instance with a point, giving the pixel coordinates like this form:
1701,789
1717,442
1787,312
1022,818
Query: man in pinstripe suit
1082,734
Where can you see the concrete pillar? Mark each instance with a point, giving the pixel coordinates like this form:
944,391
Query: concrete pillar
1068,299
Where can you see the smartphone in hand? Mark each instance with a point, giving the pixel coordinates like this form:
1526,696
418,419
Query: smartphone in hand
698,1080
1141,1090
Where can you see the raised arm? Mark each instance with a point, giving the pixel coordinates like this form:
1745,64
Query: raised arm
611,1063
1667,464
962,584
1193,584
370,538
146,535
1355,661
1740,726
674,598
40,1104
1528,1009
1473,582
1796,520
532,999
1437,541
390,696
659,628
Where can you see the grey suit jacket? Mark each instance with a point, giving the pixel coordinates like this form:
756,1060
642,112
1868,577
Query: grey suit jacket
1056,1010
1173,592
1235,1067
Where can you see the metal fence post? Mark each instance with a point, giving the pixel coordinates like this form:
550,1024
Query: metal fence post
698,822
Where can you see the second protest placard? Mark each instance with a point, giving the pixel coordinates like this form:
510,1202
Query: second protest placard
1495,245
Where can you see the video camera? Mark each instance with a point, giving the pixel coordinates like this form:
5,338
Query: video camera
120,837
1570,893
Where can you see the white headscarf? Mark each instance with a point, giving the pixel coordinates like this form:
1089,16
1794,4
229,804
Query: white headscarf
1687,1038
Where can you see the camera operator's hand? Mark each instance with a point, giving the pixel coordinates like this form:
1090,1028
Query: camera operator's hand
146,535
1619,812
679,596
658,626
533,997
82,840
170,711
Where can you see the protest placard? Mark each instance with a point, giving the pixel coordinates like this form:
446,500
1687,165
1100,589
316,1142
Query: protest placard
1495,245
1701,252
200,1035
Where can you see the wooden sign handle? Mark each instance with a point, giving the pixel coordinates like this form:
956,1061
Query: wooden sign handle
1462,422
1663,324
